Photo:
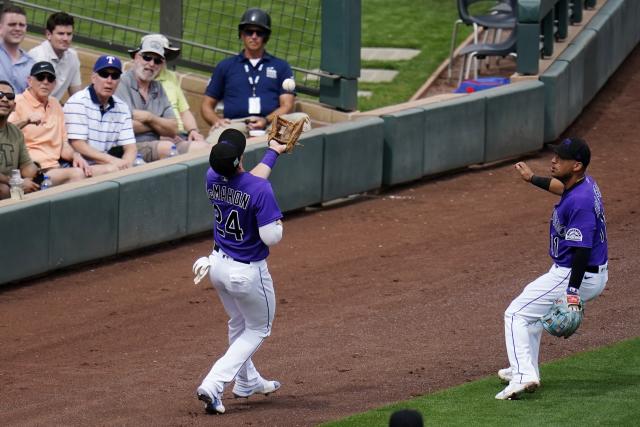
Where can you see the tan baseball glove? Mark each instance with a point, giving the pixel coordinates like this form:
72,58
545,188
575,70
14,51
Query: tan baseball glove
287,132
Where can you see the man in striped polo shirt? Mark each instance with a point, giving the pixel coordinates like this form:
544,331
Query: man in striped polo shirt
99,123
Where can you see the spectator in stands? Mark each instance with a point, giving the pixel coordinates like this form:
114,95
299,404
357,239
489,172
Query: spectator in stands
57,50
250,83
99,123
187,126
13,151
152,114
41,119
15,64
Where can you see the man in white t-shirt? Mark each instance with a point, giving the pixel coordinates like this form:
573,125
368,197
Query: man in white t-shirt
57,50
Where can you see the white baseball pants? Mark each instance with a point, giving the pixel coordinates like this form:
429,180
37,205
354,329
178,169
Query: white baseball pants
246,291
522,326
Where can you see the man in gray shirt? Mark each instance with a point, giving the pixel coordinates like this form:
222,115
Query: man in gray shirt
152,115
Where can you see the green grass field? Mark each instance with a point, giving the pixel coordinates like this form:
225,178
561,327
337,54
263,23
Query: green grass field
600,387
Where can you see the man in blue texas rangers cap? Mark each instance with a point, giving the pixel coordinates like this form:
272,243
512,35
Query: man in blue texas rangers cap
99,123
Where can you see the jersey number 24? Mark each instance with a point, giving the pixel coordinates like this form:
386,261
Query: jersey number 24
229,225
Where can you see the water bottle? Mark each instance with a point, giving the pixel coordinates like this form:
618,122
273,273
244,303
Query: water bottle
139,161
46,183
15,185
174,151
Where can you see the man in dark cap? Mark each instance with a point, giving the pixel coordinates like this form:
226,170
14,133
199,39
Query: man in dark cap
250,83
247,223
579,253
40,116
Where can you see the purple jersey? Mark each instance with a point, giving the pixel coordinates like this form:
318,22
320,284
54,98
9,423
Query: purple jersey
242,204
578,221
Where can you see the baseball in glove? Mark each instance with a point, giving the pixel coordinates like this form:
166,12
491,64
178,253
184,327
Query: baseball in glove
564,317
287,132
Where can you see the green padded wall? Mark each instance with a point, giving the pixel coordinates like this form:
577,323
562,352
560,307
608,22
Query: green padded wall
24,231
556,99
574,56
613,9
583,65
297,177
403,146
454,133
515,120
199,211
252,156
153,207
83,224
604,42
352,158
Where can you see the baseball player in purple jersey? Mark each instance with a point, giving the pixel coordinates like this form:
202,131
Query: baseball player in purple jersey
247,222
578,248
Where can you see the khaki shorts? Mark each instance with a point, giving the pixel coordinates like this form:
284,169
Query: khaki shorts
148,149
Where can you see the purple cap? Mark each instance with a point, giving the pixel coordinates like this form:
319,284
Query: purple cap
574,149
107,61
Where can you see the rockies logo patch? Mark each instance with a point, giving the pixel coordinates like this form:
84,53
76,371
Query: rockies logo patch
574,235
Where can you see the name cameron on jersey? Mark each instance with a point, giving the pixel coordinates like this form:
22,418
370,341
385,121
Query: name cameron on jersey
229,195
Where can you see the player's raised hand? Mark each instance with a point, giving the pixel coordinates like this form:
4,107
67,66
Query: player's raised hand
276,146
524,170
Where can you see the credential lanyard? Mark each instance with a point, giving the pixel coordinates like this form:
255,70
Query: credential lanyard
253,81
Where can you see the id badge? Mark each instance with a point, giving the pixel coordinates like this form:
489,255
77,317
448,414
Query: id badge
254,105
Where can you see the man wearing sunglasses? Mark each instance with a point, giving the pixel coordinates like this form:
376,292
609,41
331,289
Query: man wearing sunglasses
99,123
13,151
152,114
250,83
41,119
57,50
15,64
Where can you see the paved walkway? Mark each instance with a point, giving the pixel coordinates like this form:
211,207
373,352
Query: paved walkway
368,75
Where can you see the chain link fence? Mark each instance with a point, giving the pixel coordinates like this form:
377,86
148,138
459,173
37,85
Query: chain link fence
207,31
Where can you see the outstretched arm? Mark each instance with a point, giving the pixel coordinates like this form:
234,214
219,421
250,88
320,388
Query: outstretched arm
552,185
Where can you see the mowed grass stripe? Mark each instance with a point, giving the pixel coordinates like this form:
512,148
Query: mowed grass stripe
600,387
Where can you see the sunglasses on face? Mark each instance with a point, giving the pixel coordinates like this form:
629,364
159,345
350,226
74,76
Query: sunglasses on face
50,78
249,33
105,74
9,95
156,60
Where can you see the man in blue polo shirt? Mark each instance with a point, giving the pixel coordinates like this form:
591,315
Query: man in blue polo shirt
250,83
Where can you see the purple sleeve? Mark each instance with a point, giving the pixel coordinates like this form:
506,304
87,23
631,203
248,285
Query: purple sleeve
215,87
267,210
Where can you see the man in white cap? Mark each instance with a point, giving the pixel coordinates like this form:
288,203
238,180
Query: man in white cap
152,114
187,125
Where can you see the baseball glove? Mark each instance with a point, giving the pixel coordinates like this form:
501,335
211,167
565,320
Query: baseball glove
287,132
564,317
